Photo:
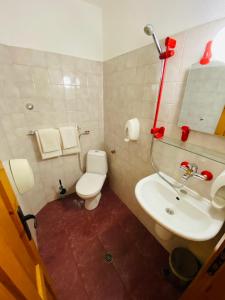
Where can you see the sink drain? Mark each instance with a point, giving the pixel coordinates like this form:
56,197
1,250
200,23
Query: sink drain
108,257
170,211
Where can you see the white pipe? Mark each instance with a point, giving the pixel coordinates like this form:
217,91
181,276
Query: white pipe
156,169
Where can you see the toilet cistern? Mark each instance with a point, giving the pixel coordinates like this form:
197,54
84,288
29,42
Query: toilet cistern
191,170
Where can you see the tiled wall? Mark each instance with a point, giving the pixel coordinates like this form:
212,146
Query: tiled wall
130,89
65,91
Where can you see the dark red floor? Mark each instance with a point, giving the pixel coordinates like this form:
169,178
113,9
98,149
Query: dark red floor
73,243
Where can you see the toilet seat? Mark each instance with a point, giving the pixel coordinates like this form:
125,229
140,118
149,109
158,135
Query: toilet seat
89,185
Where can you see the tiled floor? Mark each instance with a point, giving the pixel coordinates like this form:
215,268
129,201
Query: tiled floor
73,243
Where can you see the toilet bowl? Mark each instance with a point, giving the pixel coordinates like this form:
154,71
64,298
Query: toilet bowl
90,183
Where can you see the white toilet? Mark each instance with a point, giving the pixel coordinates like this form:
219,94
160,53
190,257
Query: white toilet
90,184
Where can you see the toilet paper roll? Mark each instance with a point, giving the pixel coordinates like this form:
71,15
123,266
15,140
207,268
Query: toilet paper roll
132,130
22,174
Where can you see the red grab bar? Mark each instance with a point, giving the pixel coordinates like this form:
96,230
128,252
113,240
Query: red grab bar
169,43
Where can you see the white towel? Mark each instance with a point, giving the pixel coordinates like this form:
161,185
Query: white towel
48,143
70,140
68,136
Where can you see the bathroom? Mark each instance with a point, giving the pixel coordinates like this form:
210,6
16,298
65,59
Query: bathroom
89,65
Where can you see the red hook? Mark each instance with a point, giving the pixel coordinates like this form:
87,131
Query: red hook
207,54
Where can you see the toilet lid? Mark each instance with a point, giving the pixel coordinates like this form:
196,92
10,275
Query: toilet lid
90,184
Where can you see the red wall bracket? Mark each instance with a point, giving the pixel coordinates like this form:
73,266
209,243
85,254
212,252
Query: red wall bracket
170,44
158,132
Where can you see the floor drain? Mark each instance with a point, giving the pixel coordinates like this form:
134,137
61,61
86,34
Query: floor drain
108,257
170,211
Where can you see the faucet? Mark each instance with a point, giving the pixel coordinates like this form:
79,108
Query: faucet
191,170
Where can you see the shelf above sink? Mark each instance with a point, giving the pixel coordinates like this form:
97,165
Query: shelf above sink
204,152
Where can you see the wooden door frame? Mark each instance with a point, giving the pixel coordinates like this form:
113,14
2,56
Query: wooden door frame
11,205
204,280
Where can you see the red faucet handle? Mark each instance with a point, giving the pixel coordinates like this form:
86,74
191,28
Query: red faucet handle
207,174
185,164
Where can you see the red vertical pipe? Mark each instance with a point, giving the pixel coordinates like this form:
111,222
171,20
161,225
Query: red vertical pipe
170,44
160,92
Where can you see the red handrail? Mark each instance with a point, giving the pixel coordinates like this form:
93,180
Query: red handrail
169,43
160,92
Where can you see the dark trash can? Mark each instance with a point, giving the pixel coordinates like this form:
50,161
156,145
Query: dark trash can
184,266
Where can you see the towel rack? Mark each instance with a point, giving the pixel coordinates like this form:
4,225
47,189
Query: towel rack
32,132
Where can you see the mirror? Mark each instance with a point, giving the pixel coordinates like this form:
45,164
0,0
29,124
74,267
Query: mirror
203,107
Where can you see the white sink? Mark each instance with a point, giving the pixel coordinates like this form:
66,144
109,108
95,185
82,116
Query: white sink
192,217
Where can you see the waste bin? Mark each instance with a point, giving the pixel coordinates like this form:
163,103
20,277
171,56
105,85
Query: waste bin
183,265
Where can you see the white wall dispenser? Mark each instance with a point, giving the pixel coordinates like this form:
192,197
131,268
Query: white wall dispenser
218,192
132,130
21,178
22,174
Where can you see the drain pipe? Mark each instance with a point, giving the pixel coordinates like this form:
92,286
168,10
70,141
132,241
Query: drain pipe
86,132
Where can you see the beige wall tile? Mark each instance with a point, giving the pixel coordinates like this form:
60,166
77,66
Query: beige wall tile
23,56
55,76
29,76
20,73
40,75
10,90
5,57
53,60
27,89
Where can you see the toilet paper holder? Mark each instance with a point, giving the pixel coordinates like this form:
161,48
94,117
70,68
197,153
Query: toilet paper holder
132,130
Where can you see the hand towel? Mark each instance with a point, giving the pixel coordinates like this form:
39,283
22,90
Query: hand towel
70,140
68,136
48,141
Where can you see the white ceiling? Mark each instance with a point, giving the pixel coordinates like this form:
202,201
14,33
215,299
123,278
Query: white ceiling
87,28
71,27
123,20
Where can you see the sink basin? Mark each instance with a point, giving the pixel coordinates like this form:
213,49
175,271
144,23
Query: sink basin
186,214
